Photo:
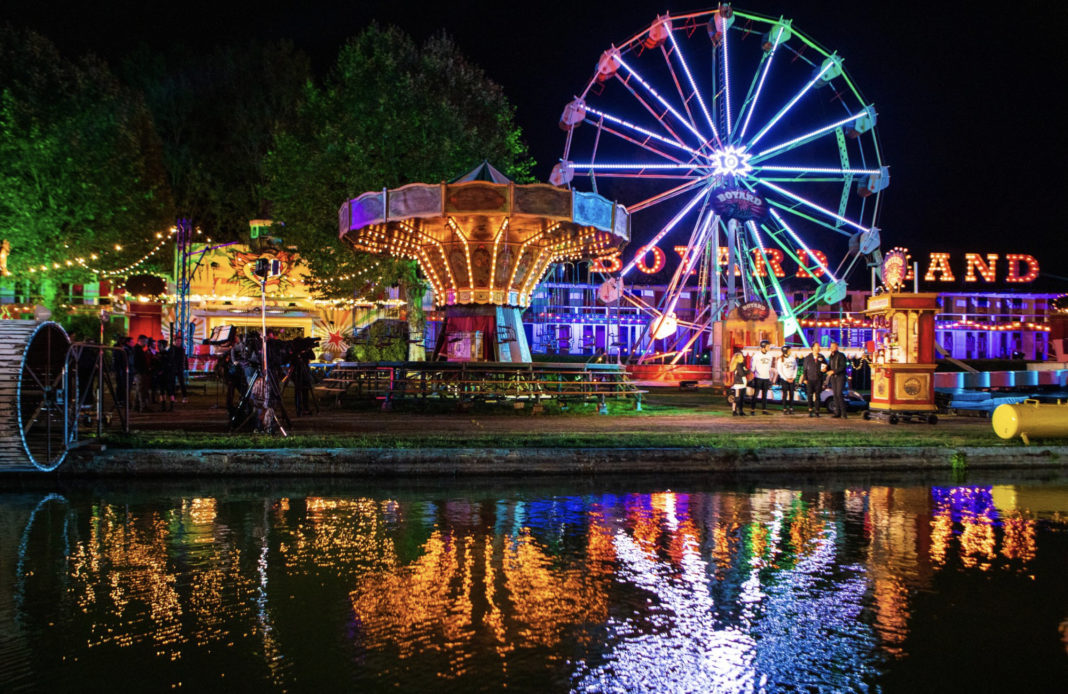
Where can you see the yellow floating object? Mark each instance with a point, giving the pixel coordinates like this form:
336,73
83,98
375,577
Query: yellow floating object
1031,418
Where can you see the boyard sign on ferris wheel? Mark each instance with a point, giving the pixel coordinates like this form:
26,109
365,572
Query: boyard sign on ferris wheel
739,204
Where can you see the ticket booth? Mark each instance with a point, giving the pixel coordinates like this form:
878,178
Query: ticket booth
903,363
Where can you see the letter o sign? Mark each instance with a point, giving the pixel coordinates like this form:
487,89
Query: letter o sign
658,260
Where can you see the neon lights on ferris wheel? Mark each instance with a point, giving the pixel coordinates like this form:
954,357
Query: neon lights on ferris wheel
693,85
785,109
656,94
726,79
808,251
819,170
808,203
760,85
809,136
643,131
783,305
631,167
664,232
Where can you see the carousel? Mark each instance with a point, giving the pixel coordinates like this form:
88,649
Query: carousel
484,243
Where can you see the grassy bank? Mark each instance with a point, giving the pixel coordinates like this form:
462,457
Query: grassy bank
897,437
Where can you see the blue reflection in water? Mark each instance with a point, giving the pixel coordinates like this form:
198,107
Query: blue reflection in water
966,502
795,628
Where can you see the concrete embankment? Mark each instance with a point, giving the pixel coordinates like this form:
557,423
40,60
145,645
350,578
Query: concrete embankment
371,462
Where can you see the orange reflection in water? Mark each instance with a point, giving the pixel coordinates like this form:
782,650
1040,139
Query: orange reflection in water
1019,541
463,588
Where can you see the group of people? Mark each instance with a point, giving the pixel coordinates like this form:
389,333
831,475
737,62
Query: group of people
814,372
151,371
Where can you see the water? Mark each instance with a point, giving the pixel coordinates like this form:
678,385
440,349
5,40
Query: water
606,585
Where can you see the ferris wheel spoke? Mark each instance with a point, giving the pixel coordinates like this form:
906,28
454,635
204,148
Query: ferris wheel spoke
666,230
636,166
693,85
784,147
750,104
656,95
668,177
799,213
678,86
818,170
666,195
726,79
640,130
644,145
808,251
659,117
784,305
790,104
811,205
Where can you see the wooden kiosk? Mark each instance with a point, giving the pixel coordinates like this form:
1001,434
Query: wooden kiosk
903,364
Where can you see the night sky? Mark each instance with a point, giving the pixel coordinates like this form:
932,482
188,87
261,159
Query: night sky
967,99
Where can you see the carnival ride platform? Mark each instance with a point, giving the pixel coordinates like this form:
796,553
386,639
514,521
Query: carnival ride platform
480,382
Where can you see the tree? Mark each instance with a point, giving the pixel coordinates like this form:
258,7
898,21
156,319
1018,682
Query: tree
217,113
80,163
389,113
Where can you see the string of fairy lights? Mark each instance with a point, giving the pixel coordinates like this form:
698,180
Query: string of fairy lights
162,239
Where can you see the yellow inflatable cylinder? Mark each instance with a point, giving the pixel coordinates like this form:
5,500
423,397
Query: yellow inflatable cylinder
1031,419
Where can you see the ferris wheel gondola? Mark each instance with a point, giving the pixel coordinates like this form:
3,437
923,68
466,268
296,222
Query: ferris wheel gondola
744,142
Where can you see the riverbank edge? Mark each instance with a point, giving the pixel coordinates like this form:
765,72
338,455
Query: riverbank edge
455,462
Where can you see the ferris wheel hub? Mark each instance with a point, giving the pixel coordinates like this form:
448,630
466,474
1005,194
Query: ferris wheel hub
731,160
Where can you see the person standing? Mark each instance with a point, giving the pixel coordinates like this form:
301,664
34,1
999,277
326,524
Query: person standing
763,362
121,359
813,369
787,367
141,374
737,374
180,364
836,367
165,376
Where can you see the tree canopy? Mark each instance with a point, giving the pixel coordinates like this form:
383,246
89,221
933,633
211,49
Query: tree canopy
217,112
81,169
390,112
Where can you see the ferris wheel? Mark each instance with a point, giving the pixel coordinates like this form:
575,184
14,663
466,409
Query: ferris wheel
740,144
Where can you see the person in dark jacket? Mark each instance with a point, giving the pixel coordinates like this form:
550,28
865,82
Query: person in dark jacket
813,370
142,374
178,357
836,367
120,361
165,376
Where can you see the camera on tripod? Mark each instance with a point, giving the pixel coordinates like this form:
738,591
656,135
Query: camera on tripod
267,267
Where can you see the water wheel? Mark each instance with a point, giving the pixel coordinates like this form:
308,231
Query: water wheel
36,415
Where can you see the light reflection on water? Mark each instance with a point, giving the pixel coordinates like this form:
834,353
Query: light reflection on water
766,589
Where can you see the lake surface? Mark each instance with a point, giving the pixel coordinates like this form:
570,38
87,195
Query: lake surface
603,585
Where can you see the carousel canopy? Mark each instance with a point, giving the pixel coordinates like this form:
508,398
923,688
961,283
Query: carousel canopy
484,239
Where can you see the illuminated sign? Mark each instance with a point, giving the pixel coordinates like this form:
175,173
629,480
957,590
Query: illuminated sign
754,311
940,268
894,269
740,204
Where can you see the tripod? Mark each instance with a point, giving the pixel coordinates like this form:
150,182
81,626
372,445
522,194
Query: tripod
261,405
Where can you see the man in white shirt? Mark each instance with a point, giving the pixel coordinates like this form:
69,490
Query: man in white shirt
787,369
762,364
